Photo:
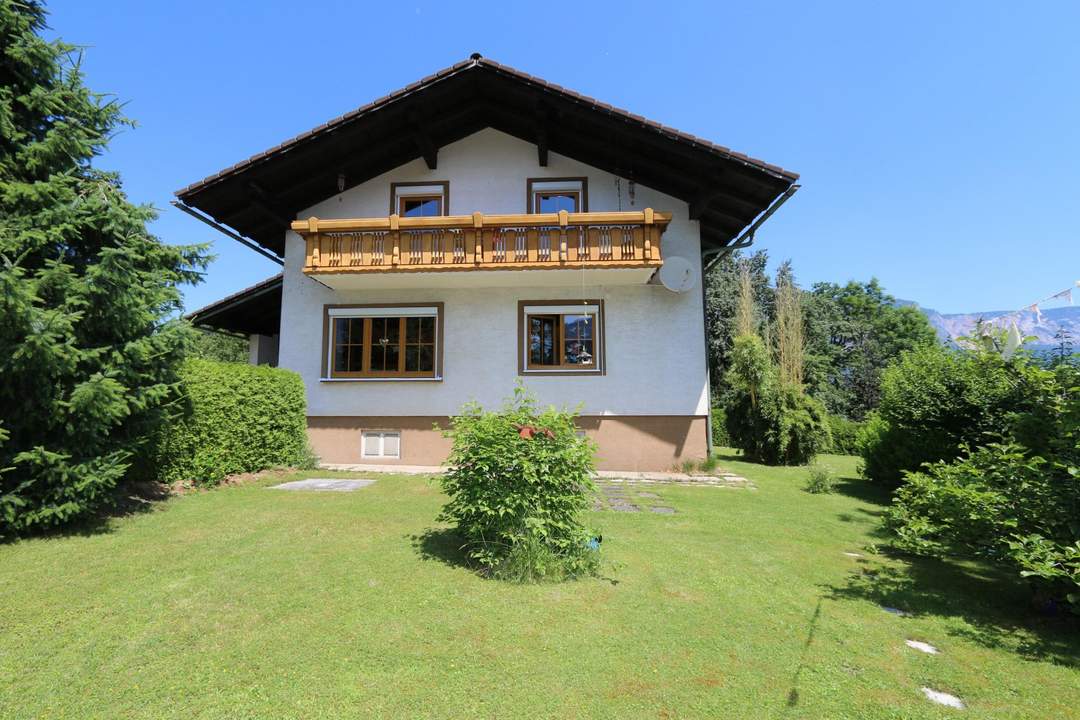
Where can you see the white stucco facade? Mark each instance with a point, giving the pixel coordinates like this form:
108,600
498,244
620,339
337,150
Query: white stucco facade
655,347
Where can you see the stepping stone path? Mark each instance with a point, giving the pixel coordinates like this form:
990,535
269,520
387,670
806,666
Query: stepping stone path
922,647
943,698
720,479
323,485
623,498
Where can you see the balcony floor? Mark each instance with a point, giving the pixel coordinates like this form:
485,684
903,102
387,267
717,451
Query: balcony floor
344,281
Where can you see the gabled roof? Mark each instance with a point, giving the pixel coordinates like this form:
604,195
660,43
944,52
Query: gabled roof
258,196
252,311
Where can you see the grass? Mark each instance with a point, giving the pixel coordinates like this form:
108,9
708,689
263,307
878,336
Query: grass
247,603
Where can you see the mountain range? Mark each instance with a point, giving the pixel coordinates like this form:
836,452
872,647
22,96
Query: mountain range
1043,325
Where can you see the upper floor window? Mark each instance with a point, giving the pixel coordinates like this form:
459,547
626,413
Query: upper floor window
551,195
371,341
420,199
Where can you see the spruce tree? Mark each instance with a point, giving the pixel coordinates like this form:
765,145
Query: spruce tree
89,343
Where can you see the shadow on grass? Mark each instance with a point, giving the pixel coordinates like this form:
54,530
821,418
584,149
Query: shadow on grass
443,545
994,605
863,490
132,498
793,693
722,454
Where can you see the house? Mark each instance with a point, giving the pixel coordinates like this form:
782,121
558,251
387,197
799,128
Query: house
480,227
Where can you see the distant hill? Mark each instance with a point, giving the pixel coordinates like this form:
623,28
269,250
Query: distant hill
1043,327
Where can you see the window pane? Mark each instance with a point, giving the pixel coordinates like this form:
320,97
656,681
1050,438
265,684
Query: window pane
427,358
391,445
412,358
551,202
356,358
578,343
579,352
577,326
385,331
421,207
427,329
372,444
348,345
542,350
412,329
341,358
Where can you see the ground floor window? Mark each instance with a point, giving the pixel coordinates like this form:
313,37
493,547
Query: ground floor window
557,337
380,444
381,342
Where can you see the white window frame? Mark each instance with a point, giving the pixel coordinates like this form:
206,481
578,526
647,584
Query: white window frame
365,434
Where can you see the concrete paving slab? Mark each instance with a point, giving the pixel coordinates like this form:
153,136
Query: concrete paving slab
324,485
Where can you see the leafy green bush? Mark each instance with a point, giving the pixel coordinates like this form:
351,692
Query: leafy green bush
234,418
720,436
1015,503
844,434
820,480
933,401
771,421
519,481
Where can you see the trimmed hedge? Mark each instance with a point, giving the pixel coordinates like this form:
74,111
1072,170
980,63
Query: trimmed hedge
234,418
845,435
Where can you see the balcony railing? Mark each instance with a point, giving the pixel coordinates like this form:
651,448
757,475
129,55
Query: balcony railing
484,242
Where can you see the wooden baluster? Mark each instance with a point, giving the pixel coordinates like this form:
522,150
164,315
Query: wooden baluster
647,231
478,238
316,241
309,260
395,237
564,220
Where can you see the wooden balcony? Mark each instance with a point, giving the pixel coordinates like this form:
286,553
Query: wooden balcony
567,241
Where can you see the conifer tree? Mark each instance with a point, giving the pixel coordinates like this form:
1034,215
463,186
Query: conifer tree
89,347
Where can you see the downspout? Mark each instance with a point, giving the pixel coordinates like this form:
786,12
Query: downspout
709,258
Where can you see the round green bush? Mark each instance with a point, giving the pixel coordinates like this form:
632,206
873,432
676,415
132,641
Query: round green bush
933,401
519,482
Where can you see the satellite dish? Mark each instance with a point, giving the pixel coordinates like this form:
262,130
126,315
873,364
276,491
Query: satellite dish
677,274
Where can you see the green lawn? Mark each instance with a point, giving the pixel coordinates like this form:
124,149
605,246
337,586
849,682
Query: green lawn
248,603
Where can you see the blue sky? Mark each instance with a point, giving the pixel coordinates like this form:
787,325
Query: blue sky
939,143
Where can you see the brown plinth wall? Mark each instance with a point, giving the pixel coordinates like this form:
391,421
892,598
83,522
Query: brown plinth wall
627,442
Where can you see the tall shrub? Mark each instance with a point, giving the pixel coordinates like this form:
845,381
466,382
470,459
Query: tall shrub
233,418
519,481
1015,503
933,401
767,413
790,338
87,353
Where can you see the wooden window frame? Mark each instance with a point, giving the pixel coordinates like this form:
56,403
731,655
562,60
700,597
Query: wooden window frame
596,309
328,374
575,185
399,190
